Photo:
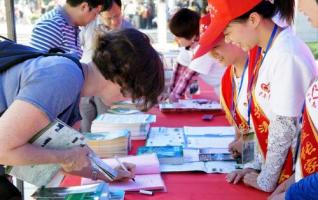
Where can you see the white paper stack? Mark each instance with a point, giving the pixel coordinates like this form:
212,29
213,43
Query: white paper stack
137,124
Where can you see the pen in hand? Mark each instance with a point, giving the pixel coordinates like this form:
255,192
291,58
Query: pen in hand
123,166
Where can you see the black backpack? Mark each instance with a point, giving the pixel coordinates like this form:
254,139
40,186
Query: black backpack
12,54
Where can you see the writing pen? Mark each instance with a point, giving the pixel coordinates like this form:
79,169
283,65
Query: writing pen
123,166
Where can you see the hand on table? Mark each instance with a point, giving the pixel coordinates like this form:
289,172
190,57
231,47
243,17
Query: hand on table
237,175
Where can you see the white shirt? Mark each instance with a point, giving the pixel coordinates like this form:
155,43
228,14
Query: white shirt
209,69
286,73
241,99
312,110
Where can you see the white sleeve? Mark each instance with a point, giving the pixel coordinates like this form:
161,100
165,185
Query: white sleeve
291,78
282,131
184,57
87,37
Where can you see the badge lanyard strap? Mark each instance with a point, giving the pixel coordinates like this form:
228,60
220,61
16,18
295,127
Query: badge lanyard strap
234,100
270,41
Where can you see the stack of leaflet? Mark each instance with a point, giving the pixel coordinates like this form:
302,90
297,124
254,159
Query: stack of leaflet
137,124
188,105
204,148
107,145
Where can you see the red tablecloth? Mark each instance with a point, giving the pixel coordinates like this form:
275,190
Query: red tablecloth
190,185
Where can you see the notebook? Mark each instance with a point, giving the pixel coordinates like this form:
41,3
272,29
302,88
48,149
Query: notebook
148,175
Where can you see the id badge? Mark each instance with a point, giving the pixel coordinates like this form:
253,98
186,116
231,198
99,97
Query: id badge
248,147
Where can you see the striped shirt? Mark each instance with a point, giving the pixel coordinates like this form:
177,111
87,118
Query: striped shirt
56,30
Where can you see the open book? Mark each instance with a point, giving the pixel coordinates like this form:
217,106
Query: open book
147,174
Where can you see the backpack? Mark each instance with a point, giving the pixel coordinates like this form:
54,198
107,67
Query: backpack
12,54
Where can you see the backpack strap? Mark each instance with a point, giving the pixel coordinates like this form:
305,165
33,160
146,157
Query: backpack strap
12,54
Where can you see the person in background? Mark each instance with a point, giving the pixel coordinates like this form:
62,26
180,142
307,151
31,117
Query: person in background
38,91
185,25
58,30
306,173
109,19
281,77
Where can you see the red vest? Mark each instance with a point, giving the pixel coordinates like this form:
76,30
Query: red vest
261,124
308,147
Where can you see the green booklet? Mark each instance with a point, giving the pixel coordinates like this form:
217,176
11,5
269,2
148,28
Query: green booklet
85,192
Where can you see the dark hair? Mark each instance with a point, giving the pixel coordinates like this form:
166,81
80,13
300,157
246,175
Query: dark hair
317,1
108,4
185,23
285,9
91,3
127,58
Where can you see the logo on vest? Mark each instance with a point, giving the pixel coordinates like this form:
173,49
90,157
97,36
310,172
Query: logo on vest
312,96
265,91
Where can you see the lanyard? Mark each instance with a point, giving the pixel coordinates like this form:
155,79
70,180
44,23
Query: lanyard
234,100
270,41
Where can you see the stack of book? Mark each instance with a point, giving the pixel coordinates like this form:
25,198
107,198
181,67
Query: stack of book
107,145
137,124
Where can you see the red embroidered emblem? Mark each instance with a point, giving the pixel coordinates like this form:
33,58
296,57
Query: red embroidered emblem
313,96
314,92
265,90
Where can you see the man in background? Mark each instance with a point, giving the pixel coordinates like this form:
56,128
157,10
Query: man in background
59,28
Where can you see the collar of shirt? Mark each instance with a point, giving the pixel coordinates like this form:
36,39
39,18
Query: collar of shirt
61,10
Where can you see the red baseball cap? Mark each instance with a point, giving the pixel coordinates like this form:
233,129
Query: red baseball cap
222,12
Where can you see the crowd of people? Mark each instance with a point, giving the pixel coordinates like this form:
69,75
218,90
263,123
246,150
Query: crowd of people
266,75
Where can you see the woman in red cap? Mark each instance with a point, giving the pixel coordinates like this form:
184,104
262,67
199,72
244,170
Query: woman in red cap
234,87
277,90
306,172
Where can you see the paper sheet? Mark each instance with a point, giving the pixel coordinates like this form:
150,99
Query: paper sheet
162,136
125,119
144,182
209,130
208,167
209,142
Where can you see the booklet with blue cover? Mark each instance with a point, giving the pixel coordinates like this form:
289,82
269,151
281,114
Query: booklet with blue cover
166,154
